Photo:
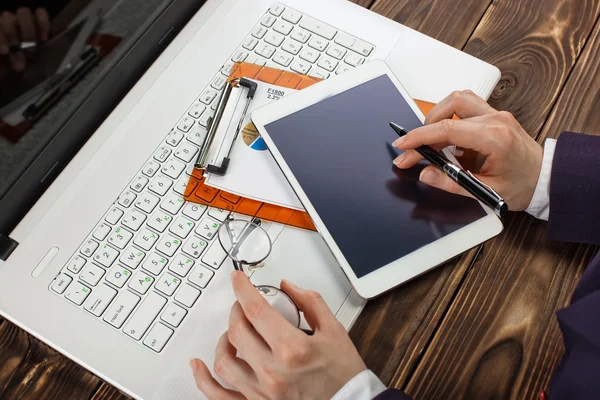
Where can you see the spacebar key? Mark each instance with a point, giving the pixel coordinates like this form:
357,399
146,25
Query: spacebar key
143,317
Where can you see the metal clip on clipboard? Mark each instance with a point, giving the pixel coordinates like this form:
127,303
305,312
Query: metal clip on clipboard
213,125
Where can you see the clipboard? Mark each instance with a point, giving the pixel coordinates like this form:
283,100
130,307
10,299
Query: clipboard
197,191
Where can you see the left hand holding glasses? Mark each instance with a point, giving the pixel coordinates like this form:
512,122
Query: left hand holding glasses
263,356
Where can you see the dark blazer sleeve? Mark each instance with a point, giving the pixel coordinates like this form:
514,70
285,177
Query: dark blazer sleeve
392,394
575,189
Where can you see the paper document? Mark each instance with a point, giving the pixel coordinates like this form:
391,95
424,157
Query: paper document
252,172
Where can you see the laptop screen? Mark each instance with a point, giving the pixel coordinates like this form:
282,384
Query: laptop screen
53,53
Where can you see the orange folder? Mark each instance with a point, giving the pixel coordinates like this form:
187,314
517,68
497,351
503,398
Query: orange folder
198,192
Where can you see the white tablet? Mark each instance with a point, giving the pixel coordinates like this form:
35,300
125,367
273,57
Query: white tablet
333,143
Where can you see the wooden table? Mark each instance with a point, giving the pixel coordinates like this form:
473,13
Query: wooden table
483,325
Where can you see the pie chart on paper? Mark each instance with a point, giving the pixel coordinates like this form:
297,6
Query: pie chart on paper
252,138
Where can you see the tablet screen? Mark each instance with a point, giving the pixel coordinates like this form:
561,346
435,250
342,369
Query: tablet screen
340,152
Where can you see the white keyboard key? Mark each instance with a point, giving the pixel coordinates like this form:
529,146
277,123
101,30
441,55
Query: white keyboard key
141,282
276,9
99,300
343,68
172,203
132,257
318,43
195,111
300,35
283,27
194,211
268,21
147,202
150,168
265,50
214,256
181,265
207,228
187,295
181,185
175,136
158,337
167,284
208,96
61,283
155,263
106,256
309,54
301,66
161,154
250,43
259,32
91,274
77,293
144,315
327,63
352,43
133,219
121,308
201,276
159,221
89,247
182,227
292,16
173,168
240,55
206,117
189,169
226,70
219,82
101,231
113,215
76,264
274,38
184,125
291,46
318,27
186,152
354,60
168,245
120,237
146,239
218,213
319,73
197,135
160,185
127,198
173,314
283,58
118,276
139,183
194,246
337,52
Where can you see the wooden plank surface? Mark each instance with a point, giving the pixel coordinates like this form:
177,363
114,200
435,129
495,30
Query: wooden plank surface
500,338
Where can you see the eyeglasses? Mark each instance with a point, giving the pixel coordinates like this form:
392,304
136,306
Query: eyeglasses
248,245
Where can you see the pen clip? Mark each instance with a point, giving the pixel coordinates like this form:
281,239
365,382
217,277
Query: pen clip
488,187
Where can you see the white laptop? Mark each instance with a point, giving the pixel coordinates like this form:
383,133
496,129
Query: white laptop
111,267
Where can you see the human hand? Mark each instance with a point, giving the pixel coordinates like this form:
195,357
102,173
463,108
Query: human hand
262,356
513,159
22,26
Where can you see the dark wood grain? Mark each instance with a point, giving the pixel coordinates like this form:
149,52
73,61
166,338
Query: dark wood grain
500,338
451,22
107,392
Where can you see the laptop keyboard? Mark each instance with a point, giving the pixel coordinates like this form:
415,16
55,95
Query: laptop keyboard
147,262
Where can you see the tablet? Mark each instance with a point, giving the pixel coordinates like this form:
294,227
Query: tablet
333,143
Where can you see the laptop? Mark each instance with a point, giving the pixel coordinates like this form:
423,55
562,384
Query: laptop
111,266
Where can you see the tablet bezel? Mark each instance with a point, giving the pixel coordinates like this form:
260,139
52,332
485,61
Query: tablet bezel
411,265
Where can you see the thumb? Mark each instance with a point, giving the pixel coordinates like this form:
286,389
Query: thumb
434,177
316,311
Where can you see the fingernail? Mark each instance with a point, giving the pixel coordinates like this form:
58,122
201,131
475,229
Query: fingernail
290,284
194,365
232,275
429,177
399,159
398,141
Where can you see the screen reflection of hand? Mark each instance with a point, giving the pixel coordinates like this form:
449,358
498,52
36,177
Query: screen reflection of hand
22,26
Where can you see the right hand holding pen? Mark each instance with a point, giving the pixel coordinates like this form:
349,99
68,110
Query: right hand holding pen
513,159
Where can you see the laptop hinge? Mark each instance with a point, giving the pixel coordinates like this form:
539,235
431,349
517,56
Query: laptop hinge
7,246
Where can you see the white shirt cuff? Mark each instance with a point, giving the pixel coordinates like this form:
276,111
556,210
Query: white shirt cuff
540,202
366,385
